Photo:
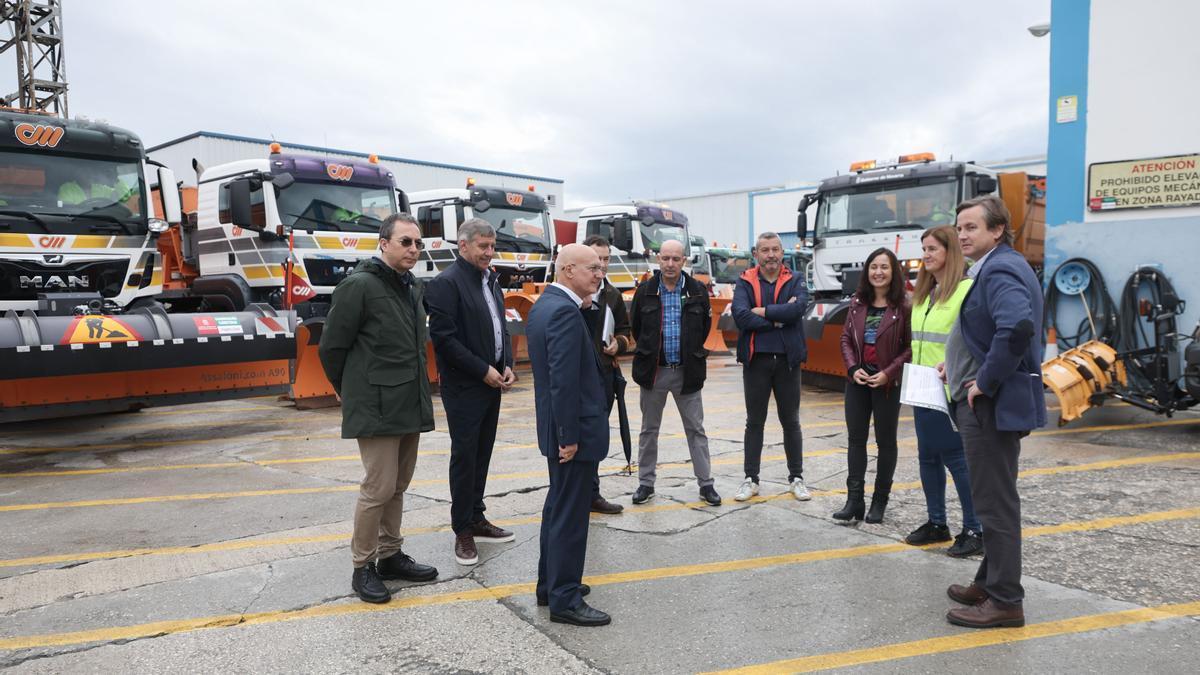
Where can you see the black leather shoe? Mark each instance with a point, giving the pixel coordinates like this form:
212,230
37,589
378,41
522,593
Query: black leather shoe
544,600
709,494
401,566
583,615
643,494
602,505
367,584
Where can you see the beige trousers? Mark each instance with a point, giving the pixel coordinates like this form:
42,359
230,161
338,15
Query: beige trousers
389,462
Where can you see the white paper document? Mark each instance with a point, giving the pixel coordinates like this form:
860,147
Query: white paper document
607,334
922,387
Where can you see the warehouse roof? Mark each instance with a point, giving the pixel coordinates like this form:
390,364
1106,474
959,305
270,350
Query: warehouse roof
314,148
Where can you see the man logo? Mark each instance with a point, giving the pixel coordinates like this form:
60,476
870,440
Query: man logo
51,242
40,135
56,259
339,171
514,198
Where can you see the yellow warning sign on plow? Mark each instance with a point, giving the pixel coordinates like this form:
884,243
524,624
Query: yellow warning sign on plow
95,329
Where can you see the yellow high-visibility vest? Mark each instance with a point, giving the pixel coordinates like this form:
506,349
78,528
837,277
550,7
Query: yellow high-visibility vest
931,326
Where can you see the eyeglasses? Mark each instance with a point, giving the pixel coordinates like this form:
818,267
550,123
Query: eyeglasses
409,241
594,269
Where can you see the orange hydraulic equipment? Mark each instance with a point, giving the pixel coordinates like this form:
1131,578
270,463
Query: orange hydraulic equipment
715,342
1082,377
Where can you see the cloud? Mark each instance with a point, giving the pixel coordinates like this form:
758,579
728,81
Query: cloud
618,98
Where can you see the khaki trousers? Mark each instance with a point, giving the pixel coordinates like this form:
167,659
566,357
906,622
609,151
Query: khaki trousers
389,462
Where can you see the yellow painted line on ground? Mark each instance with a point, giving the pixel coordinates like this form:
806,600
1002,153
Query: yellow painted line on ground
971,640
654,508
1120,427
109,634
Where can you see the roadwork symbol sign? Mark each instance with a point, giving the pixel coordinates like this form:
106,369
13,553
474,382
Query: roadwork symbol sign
96,329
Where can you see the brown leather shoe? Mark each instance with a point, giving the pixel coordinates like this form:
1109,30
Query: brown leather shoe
967,595
464,549
602,505
987,614
490,533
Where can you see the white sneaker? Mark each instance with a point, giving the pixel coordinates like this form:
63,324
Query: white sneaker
799,491
748,489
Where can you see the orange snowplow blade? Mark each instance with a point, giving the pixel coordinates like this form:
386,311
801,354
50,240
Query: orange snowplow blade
715,342
1079,376
310,388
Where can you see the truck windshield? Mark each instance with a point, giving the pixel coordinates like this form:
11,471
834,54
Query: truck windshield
654,235
728,267
881,208
70,195
519,231
329,206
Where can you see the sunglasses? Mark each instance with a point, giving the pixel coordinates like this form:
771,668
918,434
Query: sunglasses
409,241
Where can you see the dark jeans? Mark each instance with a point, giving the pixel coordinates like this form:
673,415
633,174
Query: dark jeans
767,373
992,458
883,403
471,413
939,447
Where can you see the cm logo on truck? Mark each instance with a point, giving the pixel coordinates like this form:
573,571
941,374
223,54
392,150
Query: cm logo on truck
340,171
40,135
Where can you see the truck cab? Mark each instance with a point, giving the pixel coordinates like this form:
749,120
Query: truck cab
728,265
76,228
636,231
878,204
247,210
524,233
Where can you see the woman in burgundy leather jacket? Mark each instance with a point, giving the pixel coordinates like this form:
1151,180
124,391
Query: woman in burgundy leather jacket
876,342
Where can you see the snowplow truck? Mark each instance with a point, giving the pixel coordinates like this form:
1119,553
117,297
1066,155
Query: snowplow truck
81,329
524,235
636,231
889,204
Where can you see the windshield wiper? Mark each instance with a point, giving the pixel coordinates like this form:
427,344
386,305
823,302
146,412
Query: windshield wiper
335,225
902,226
105,217
848,230
28,216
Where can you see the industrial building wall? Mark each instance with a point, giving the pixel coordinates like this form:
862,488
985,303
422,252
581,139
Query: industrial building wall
1124,63
411,176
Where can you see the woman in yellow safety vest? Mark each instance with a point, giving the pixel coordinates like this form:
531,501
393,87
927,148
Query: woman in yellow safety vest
941,288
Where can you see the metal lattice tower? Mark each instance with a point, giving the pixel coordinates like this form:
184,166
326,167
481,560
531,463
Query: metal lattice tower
37,38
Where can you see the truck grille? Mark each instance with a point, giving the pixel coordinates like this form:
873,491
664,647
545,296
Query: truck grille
23,280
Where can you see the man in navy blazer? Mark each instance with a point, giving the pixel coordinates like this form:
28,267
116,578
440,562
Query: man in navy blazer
993,366
572,429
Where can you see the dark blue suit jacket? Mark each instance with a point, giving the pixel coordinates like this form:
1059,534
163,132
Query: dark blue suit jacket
460,325
1001,323
568,390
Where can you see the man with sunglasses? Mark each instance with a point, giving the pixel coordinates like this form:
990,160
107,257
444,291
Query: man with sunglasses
474,358
373,352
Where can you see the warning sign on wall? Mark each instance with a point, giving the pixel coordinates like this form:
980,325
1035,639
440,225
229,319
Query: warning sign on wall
1144,183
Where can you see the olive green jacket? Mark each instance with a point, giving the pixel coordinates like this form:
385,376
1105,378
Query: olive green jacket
373,352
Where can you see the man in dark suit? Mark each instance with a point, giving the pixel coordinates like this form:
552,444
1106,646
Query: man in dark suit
993,367
474,359
572,428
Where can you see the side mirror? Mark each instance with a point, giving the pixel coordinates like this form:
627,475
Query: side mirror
240,209
985,185
482,205
402,201
282,181
168,194
802,230
622,237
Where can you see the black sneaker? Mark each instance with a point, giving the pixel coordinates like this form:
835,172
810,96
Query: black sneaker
709,494
367,584
929,533
643,494
966,544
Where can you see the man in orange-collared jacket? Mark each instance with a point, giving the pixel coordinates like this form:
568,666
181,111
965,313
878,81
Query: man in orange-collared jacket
768,307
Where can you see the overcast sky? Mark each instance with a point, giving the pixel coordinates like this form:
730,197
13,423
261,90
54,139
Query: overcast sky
620,99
